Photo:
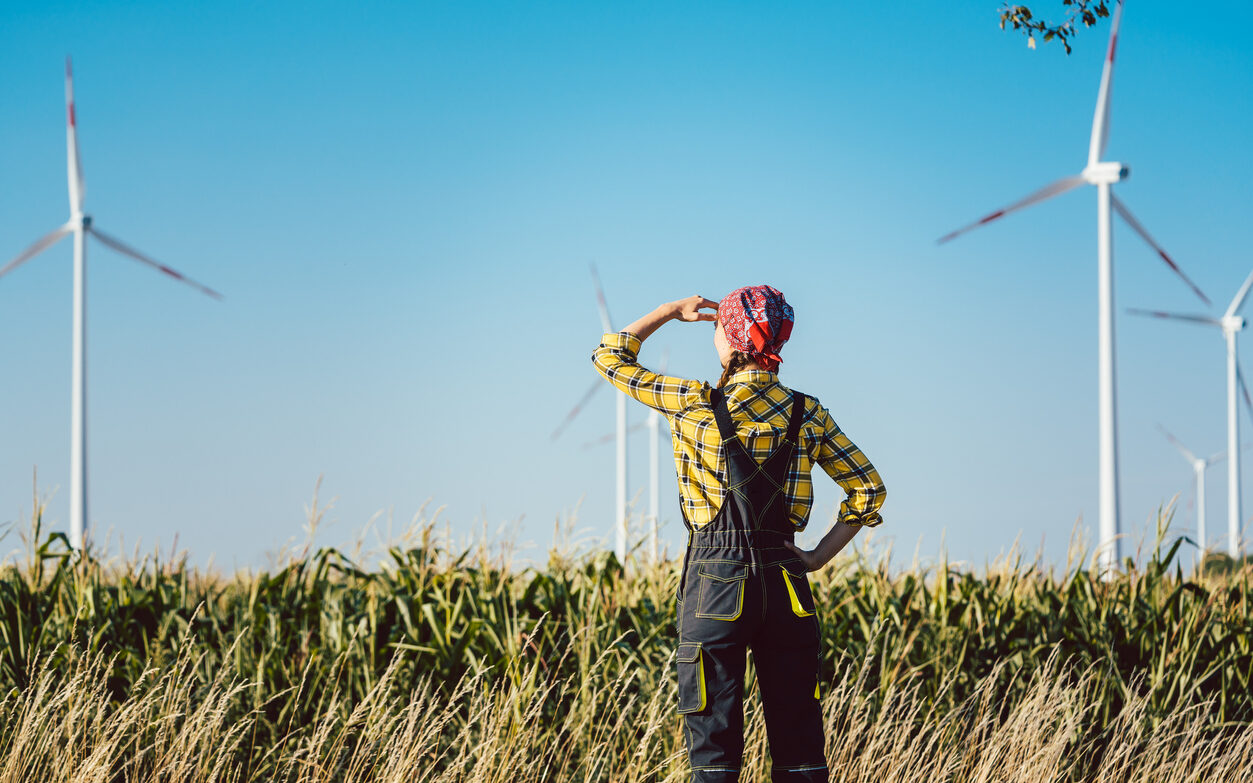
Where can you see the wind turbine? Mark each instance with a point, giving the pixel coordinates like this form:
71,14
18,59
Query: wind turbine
1102,174
654,470
654,465
1231,324
620,503
80,225
1199,466
620,531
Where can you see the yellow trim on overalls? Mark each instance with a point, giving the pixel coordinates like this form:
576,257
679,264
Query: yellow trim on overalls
791,591
739,597
700,662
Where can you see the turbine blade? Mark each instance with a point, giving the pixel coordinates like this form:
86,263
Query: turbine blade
1100,120
74,166
1241,295
1219,457
1244,389
1047,192
578,407
157,265
1175,442
1136,226
608,438
43,243
600,302
1200,319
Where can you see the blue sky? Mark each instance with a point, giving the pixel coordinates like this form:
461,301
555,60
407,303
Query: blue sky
400,202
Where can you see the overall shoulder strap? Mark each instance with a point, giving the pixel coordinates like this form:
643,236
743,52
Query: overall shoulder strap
798,414
718,402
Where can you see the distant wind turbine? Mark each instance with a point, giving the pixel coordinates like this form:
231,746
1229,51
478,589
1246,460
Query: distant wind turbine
1102,174
80,225
1199,466
620,502
654,466
1231,323
654,470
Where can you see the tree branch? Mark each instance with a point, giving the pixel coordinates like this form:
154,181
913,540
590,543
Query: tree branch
1087,12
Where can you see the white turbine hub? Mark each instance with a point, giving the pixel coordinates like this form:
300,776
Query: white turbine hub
1106,173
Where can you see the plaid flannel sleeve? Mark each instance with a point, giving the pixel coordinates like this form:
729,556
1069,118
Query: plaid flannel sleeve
849,468
616,359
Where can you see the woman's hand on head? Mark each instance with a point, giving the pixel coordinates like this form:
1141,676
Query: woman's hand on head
689,309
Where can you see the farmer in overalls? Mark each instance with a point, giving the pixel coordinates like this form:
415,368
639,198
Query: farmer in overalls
743,453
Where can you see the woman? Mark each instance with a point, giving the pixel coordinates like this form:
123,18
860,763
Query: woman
743,452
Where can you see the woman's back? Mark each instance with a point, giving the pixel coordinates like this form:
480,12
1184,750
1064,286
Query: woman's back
760,406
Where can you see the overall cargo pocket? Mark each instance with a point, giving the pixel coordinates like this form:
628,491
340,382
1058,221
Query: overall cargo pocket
798,590
691,662
721,595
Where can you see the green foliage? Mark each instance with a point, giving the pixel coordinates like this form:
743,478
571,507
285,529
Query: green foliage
319,636
1085,12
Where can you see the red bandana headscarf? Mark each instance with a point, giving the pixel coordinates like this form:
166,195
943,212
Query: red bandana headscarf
757,320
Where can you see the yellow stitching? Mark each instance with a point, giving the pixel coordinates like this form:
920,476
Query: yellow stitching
739,602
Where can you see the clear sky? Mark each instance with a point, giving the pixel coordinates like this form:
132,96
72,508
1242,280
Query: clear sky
400,203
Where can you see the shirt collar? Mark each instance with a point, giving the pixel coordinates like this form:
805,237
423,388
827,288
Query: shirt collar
754,377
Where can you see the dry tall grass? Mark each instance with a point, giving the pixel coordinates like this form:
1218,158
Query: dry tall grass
446,664
65,727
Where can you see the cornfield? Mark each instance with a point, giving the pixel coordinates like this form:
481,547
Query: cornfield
445,663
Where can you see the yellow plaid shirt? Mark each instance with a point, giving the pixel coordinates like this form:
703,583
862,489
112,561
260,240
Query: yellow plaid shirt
759,406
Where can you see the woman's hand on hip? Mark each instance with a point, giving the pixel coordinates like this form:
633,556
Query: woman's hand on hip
811,560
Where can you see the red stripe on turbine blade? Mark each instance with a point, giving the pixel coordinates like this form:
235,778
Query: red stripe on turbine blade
69,109
992,217
1113,43
1166,258
171,272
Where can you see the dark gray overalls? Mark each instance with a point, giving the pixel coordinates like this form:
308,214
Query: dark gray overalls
741,588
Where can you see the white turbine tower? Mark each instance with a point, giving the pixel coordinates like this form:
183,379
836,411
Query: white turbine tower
654,471
653,425
1231,323
620,502
80,225
1102,174
1199,466
654,462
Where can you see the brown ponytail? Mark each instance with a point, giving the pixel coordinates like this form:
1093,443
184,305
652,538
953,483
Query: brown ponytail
737,362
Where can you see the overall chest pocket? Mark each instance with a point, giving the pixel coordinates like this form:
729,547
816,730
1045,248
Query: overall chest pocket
721,593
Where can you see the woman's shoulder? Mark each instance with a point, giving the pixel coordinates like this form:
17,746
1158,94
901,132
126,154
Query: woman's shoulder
817,418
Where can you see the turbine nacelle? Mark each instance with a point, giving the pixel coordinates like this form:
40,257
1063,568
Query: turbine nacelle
1105,173
1232,323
